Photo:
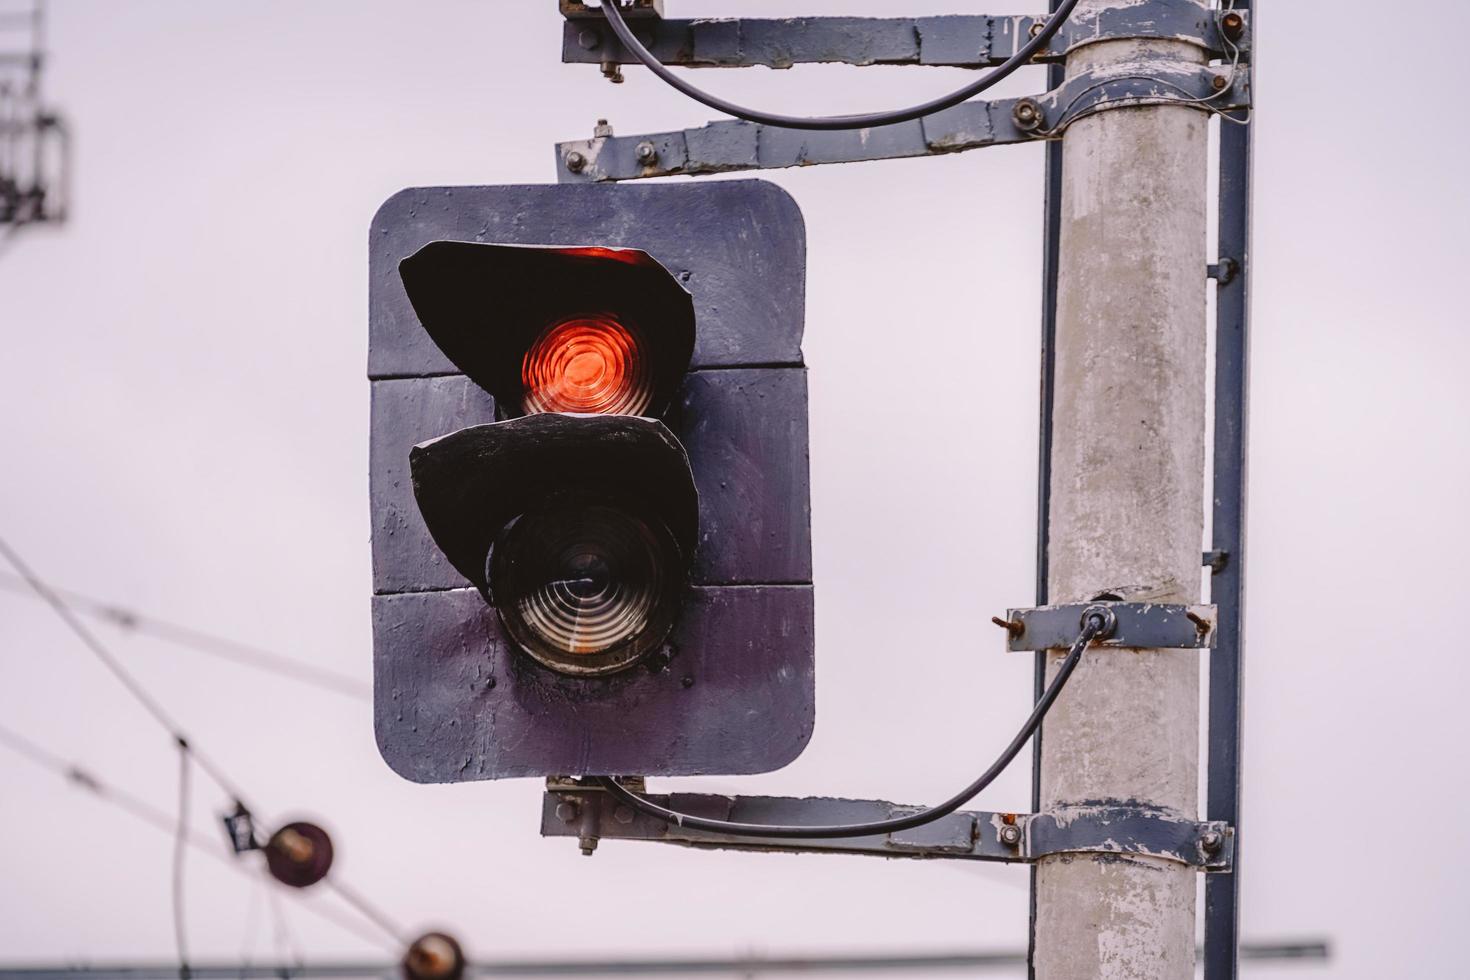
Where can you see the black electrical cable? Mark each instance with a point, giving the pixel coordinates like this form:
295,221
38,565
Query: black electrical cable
1094,624
861,121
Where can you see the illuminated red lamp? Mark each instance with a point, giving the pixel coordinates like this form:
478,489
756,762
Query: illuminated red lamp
592,365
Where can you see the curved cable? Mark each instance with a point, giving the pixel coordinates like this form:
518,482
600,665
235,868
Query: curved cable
1093,625
861,121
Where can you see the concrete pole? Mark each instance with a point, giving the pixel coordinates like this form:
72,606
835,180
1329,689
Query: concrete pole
1127,514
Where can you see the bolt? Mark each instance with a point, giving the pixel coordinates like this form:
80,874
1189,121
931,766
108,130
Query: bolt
613,72
567,812
589,40
1200,623
1219,83
601,129
1027,115
1211,841
623,814
587,844
1233,24
1037,28
688,681
576,161
1010,835
1011,626
646,153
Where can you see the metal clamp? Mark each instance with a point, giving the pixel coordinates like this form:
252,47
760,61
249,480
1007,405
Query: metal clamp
571,808
1137,626
721,147
953,40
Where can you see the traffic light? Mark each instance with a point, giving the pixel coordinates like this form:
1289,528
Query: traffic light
591,527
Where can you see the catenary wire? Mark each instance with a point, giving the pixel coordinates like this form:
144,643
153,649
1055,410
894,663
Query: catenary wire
195,639
112,663
156,710
1093,625
181,840
861,121
165,823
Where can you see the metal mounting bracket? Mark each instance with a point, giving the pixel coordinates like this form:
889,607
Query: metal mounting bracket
573,808
961,41
1139,626
735,145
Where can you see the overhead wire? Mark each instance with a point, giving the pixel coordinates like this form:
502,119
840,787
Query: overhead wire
165,823
181,838
1094,624
115,666
1021,57
152,706
211,644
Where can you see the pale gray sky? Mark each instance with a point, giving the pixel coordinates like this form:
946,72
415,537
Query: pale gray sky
186,432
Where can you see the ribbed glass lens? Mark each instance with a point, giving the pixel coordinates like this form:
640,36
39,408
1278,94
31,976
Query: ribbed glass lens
594,364
583,586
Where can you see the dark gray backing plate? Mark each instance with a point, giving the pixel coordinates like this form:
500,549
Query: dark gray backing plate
456,701
736,695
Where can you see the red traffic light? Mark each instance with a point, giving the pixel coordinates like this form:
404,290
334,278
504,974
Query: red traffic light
580,330
589,365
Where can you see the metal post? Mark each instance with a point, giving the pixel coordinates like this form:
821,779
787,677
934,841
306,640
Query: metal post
1127,512
1227,584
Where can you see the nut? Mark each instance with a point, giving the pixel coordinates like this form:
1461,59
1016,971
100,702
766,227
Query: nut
1211,841
1219,82
567,812
623,815
589,40
1027,115
1010,835
576,161
1233,24
646,153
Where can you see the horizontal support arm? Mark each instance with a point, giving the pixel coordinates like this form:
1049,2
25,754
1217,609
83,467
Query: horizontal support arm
960,41
735,145
572,809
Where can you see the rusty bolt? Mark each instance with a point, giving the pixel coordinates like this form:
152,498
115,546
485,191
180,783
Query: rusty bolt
1011,626
1233,24
567,812
1027,115
646,153
576,161
623,815
1200,623
589,40
1038,27
1220,83
1010,835
1211,841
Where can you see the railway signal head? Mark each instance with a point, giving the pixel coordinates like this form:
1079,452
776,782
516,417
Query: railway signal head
591,530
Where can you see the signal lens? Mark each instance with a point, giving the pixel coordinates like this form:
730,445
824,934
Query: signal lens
594,365
585,589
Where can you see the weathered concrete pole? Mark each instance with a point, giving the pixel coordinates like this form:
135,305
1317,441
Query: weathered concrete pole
1127,513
